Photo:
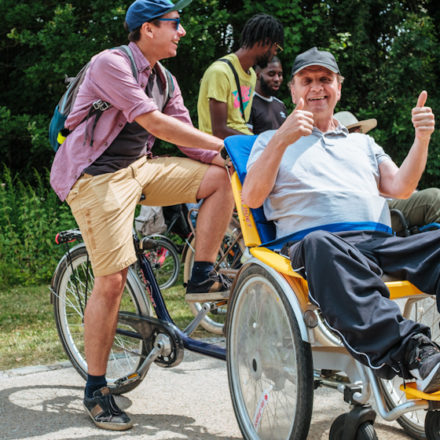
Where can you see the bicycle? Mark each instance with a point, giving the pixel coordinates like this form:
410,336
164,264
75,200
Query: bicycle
275,364
140,339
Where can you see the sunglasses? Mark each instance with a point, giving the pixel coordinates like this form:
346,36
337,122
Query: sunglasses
176,21
279,48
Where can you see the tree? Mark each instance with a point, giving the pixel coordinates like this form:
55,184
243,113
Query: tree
388,50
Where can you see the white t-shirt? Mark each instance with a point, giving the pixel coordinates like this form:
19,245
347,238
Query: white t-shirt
325,178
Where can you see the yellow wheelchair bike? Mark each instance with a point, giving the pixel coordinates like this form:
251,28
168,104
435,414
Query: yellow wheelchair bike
279,349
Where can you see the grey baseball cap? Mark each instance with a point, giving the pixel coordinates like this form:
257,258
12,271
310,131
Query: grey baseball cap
315,57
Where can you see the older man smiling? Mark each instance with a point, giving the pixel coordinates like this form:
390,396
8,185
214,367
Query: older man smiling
322,187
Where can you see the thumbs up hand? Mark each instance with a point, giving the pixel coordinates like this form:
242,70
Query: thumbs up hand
300,105
298,123
423,118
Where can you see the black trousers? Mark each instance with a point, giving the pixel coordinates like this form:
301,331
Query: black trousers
344,272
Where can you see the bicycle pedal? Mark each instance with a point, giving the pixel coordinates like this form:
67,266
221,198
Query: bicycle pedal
122,381
216,304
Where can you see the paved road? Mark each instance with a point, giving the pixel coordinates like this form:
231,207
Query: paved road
190,401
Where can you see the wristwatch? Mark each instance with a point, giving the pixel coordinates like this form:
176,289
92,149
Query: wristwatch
225,156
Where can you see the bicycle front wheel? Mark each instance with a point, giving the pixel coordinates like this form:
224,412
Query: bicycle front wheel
72,287
270,368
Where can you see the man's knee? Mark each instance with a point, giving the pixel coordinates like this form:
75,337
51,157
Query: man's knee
318,238
428,204
222,178
432,196
216,180
110,286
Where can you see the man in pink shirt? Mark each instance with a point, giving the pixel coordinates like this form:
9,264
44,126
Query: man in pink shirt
106,164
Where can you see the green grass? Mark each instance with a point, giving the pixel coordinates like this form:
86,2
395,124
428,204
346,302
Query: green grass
28,334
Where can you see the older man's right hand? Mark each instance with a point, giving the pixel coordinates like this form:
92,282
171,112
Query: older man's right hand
299,123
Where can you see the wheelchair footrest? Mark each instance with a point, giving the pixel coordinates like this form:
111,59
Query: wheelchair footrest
411,392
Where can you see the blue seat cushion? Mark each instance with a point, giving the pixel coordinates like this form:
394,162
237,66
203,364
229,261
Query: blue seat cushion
239,148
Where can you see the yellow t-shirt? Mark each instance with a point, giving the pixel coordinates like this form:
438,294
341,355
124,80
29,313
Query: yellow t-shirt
219,83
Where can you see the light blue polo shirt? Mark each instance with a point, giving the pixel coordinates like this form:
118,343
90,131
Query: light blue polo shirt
325,178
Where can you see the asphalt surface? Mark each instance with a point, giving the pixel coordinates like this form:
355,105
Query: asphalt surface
190,401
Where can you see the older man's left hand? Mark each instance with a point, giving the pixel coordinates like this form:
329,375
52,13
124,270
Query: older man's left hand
423,118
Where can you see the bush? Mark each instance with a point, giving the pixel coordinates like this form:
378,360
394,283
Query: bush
24,141
30,217
388,50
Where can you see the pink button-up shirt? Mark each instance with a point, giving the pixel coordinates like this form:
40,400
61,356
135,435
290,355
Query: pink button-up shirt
110,79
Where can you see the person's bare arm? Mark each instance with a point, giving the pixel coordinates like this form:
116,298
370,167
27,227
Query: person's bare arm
262,175
401,182
219,118
174,131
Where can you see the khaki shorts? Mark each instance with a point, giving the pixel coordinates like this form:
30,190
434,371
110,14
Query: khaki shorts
104,205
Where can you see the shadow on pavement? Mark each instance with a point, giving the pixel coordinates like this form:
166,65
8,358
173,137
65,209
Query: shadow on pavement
56,412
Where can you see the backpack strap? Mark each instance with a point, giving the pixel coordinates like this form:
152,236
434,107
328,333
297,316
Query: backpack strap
169,86
99,107
237,81
126,49
170,83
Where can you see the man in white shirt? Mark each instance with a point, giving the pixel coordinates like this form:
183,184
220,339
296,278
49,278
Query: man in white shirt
324,184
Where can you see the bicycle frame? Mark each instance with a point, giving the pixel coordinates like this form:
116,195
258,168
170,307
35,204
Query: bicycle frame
162,313
157,300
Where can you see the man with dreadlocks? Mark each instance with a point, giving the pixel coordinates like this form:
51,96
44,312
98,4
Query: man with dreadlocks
228,85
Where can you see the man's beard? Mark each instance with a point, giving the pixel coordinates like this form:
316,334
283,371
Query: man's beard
264,59
266,89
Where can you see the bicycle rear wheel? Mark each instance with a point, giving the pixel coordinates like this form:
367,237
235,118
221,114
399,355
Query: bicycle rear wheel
72,285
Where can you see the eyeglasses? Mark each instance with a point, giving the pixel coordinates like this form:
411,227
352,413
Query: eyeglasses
279,48
176,21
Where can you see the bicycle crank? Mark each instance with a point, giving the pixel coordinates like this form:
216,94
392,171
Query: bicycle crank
163,345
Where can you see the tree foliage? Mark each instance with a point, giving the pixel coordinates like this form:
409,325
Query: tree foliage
387,50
